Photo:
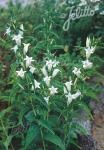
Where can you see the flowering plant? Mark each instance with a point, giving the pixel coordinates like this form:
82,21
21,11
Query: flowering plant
46,95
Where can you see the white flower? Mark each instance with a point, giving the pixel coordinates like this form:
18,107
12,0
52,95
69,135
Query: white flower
44,71
49,64
21,30
8,31
21,73
87,64
26,46
65,90
32,69
70,98
55,72
46,99
88,42
47,80
37,84
28,60
76,95
55,63
32,88
68,85
76,71
22,27
89,51
15,48
53,90
17,39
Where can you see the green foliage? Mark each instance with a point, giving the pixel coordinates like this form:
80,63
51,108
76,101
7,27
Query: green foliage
25,114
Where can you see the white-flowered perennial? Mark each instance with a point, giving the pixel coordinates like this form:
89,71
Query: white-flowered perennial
28,60
55,63
15,48
67,87
55,72
22,27
26,47
8,31
17,39
37,84
53,90
67,92
76,71
49,64
88,42
21,30
71,97
47,80
87,64
44,71
89,51
21,73
32,69
46,99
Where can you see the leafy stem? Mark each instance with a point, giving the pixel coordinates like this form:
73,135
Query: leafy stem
42,139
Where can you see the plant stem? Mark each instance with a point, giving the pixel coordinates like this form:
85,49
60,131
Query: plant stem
42,139
33,107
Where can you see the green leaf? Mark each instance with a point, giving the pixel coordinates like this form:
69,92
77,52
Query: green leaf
30,116
32,133
46,125
55,140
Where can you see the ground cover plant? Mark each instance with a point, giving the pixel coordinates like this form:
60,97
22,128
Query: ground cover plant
47,84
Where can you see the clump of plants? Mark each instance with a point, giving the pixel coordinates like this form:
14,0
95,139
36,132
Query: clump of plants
46,95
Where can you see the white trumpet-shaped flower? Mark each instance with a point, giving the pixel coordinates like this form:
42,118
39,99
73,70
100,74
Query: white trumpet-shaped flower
15,48
22,27
88,42
55,72
76,71
76,95
65,90
87,64
49,64
68,85
71,97
44,71
55,63
21,30
37,84
26,47
47,80
8,31
17,39
21,73
32,69
53,90
89,51
28,60
46,99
